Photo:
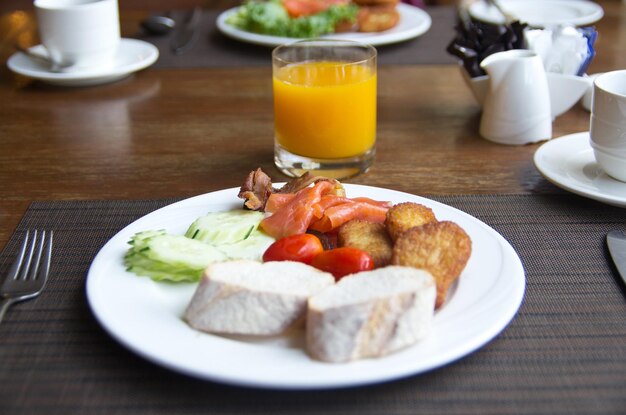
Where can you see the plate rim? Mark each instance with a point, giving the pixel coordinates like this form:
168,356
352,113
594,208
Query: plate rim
596,12
515,285
378,39
579,142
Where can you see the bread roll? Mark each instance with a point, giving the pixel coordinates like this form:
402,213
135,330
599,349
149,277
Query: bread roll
370,314
253,298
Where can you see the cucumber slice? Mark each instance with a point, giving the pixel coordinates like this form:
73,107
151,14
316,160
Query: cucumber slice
252,247
228,227
139,241
182,252
159,271
218,236
166,275
160,256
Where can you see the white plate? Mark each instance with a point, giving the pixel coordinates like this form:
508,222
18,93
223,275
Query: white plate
540,13
569,163
132,55
145,316
413,23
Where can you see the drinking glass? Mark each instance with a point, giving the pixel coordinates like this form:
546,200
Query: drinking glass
324,107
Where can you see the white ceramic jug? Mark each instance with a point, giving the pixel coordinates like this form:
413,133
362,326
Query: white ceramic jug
517,105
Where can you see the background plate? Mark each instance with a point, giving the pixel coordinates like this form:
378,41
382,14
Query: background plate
540,13
413,23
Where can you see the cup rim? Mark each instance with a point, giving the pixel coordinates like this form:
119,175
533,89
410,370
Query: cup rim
600,82
372,52
68,4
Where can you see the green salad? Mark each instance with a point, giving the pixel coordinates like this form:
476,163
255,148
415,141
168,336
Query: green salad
271,18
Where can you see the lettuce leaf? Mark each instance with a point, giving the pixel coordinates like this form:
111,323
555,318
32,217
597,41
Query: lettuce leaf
271,18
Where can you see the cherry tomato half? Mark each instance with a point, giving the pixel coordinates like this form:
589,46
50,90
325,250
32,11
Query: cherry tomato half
302,248
343,261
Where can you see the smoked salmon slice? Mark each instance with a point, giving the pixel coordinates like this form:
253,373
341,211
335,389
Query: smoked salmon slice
296,215
317,208
337,215
278,200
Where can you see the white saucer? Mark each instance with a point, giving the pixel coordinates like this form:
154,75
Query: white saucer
540,13
132,55
569,163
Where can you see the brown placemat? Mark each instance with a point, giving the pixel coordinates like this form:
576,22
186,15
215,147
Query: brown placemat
213,49
564,353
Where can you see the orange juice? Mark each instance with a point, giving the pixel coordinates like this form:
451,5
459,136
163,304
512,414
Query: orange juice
325,110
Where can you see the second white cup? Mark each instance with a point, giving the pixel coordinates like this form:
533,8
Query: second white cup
79,34
607,129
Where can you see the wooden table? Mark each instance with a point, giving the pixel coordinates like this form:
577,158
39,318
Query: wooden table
181,132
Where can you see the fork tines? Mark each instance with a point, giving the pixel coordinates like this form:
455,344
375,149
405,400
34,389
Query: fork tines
33,260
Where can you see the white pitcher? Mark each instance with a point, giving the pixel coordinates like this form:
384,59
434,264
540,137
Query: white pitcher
517,105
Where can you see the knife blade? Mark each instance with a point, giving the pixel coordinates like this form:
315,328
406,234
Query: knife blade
186,33
616,241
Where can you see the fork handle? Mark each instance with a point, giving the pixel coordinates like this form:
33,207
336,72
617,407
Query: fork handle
4,306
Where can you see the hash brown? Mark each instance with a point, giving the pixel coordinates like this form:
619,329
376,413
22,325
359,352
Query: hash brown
442,248
404,216
377,18
368,236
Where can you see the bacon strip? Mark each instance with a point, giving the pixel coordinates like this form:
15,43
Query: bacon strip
256,189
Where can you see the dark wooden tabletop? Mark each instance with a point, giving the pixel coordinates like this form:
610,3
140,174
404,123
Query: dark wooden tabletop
94,159
181,132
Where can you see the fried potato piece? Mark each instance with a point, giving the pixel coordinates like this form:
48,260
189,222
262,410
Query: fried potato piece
404,216
345,26
368,236
376,2
442,248
377,18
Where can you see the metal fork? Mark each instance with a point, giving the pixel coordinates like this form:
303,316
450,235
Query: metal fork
28,274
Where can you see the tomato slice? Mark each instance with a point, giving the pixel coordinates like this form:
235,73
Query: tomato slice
297,8
302,248
343,261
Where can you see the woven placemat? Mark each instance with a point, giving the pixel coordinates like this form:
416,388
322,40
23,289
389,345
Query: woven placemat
213,49
564,353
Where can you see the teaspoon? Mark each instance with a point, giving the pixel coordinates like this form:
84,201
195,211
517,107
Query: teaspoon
43,59
158,25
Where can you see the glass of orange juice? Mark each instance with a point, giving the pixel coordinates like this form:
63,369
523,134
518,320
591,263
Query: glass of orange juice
324,107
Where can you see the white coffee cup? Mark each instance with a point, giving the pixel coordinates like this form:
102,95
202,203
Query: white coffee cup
607,129
80,34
